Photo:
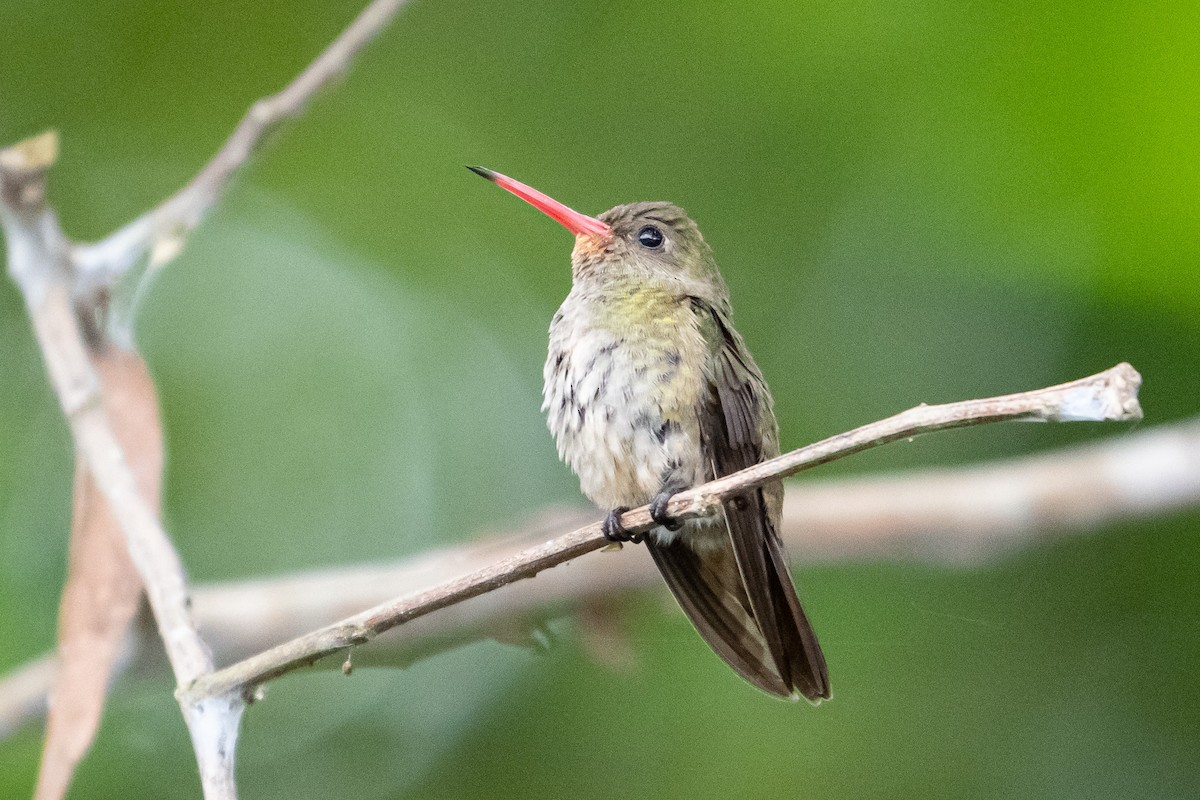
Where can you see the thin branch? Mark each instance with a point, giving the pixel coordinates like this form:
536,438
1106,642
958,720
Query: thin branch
36,260
1109,395
959,516
161,230
956,517
1106,396
54,276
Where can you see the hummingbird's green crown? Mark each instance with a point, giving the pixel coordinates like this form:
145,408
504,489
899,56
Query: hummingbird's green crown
655,242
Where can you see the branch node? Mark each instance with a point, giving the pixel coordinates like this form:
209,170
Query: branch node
23,168
1109,396
262,111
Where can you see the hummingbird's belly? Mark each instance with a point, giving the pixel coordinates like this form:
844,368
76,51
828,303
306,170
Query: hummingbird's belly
623,408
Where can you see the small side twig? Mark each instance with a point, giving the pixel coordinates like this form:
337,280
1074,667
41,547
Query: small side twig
1109,395
162,230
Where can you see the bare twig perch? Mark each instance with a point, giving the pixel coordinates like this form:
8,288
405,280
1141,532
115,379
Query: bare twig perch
955,516
1109,395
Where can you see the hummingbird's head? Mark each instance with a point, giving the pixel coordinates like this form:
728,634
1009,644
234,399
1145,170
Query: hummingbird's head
654,241
647,242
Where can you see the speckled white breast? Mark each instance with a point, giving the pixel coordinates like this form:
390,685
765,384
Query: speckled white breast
622,386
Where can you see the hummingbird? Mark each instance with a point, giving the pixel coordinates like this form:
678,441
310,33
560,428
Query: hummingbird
650,390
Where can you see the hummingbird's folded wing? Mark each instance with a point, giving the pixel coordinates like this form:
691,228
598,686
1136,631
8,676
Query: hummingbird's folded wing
737,426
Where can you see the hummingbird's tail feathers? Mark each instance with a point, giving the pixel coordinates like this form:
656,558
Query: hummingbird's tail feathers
802,652
767,583
709,588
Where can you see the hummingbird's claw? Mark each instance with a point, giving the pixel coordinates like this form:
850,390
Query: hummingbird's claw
614,531
658,511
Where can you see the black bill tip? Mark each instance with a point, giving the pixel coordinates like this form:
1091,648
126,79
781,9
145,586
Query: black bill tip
483,172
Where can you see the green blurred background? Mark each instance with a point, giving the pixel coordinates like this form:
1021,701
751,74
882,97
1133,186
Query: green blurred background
911,201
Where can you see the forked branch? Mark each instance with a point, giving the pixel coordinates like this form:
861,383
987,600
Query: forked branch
60,282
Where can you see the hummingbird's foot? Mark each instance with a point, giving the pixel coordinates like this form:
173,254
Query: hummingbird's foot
658,511
614,531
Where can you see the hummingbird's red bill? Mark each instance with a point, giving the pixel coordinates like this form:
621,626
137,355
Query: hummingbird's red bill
569,218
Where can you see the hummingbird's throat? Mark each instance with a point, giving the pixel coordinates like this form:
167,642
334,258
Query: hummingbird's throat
590,246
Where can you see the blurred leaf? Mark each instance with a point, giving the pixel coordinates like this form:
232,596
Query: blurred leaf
103,588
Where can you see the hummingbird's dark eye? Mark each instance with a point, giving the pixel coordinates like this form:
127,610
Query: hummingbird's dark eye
650,237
